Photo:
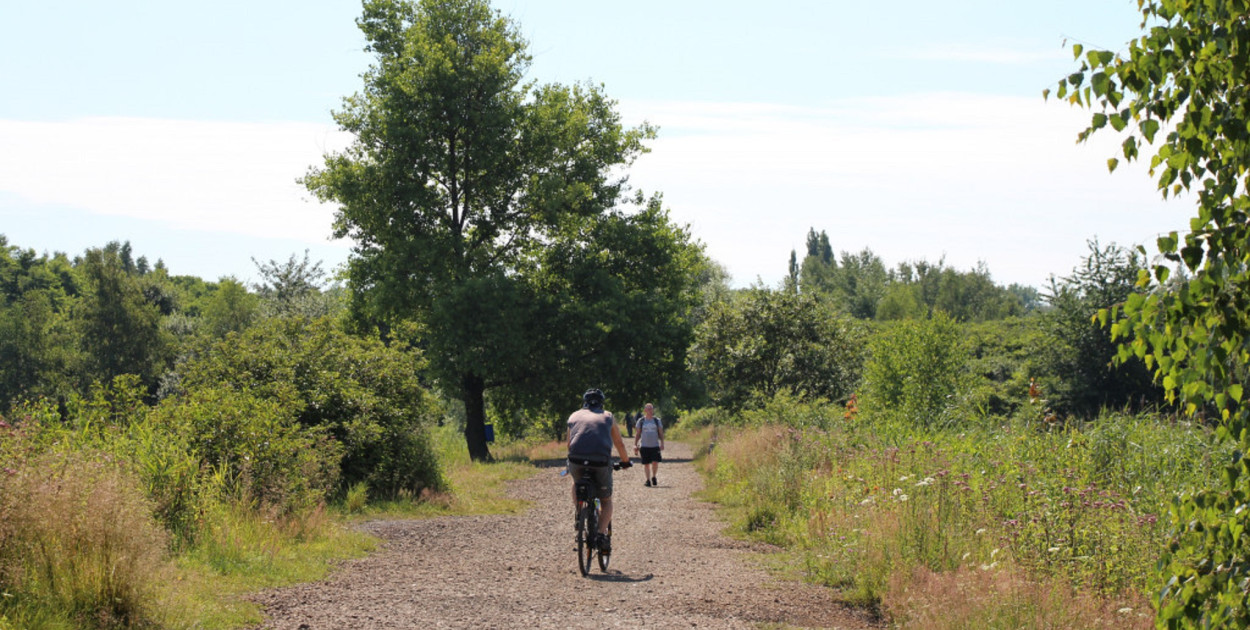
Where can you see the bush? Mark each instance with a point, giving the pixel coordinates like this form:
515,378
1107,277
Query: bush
255,444
917,370
364,395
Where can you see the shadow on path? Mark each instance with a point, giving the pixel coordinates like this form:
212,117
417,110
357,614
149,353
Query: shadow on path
617,576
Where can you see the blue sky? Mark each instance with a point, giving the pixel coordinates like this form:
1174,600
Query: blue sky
914,128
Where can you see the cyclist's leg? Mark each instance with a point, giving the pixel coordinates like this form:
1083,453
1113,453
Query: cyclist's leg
605,514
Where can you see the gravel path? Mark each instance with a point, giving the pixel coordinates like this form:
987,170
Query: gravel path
671,568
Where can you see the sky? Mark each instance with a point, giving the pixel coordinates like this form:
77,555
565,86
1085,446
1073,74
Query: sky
915,129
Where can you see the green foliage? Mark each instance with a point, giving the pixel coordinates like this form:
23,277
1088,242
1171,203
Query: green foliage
917,370
862,287
1003,356
120,328
872,507
1076,353
230,308
362,394
255,444
1187,76
763,342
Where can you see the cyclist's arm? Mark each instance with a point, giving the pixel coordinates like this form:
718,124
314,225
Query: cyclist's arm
619,443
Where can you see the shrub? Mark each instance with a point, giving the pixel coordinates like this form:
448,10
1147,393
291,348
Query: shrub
363,394
916,368
255,444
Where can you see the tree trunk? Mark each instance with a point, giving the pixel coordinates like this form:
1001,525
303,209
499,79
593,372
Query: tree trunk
475,418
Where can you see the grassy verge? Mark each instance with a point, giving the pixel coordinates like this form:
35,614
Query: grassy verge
997,526
80,546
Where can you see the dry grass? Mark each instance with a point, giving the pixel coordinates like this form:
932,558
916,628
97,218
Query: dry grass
999,598
77,537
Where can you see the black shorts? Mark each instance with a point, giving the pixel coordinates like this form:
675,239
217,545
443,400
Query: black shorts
651,455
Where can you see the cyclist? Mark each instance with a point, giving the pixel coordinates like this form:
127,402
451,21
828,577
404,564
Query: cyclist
592,434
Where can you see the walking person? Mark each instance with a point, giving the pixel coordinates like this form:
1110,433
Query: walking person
629,423
649,443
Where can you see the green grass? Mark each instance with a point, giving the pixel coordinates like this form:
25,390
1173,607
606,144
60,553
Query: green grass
891,514
100,514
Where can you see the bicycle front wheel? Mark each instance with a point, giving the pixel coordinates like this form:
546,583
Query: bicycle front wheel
585,540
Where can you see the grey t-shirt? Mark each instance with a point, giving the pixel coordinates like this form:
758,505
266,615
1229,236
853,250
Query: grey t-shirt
649,431
590,435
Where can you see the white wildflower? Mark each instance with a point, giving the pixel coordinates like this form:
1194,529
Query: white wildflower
1053,549
1124,611
980,531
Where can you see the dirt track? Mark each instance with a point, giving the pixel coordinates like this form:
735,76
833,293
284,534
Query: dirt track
671,568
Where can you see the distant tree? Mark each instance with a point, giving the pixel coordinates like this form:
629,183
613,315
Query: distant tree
973,296
1077,353
459,177
901,301
293,287
120,329
859,284
792,274
231,308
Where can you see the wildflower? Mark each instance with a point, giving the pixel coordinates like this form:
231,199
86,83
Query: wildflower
1053,549
904,478
980,531
926,481
902,497
867,501
987,567
9,471
1124,611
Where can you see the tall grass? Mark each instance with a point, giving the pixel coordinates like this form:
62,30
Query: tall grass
78,545
900,518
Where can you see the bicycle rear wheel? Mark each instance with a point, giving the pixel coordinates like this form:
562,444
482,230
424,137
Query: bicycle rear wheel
604,558
585,539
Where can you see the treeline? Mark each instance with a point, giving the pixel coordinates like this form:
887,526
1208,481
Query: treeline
936,334
862,286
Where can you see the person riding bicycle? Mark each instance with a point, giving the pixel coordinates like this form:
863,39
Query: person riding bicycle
592,434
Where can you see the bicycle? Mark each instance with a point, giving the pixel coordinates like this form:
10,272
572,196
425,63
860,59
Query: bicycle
587,524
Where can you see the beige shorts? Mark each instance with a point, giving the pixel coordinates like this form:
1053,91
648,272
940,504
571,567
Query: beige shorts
600,477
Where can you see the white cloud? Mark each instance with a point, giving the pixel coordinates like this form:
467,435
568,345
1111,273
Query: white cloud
194,175
971,177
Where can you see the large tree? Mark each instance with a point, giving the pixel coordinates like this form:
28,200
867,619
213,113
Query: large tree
1185,84
461,178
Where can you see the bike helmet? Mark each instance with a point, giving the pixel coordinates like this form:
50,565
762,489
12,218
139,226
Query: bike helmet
593,398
